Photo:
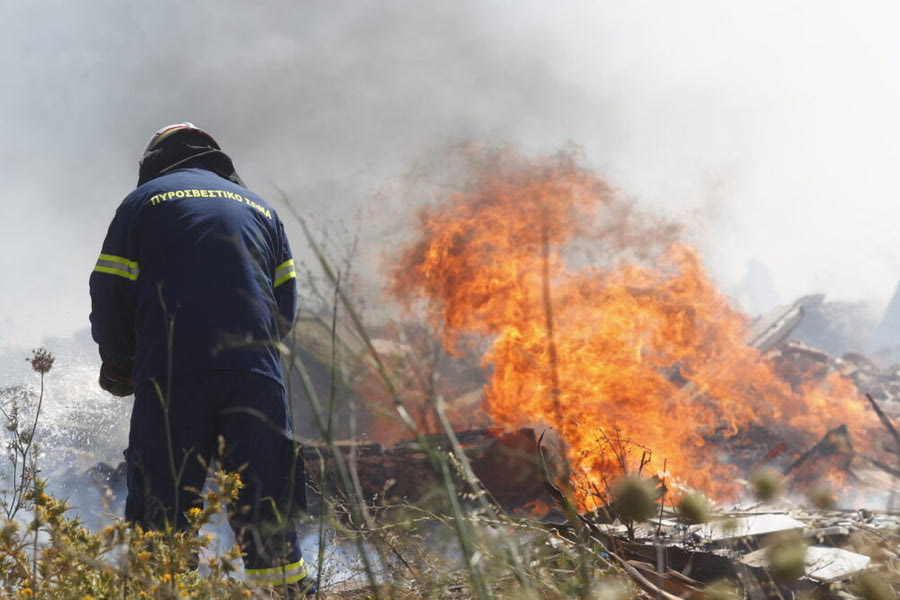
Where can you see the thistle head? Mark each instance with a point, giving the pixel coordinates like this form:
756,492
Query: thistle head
41,360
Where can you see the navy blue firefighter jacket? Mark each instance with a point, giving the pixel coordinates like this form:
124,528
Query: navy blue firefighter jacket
195,274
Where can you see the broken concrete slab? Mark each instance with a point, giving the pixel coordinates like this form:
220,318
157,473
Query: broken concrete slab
772,329
824,564
748,526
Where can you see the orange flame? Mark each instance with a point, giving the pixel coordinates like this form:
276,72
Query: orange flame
593,345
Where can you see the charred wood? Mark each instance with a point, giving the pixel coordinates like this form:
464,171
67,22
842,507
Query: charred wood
834,452
884,419
504,462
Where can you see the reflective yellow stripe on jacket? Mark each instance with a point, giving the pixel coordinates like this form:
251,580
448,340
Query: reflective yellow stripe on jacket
284,272
117,265
291,573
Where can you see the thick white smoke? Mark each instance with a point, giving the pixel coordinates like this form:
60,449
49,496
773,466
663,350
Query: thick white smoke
773,124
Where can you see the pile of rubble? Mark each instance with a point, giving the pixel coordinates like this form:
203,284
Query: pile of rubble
771,334
765,552
665,556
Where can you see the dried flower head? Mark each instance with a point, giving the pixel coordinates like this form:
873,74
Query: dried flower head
723,590
41,360
767,484
694,508
873,587
787,556
821,495
635,498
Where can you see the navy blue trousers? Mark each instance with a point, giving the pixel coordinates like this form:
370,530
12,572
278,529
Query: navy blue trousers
249,412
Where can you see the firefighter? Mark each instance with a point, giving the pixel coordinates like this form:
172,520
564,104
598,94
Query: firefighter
194,288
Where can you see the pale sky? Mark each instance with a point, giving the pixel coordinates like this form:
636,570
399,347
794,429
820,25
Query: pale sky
772,127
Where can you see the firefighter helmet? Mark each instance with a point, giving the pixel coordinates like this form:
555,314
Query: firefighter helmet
180,129
178,145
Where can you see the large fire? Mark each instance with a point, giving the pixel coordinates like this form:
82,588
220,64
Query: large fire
602,324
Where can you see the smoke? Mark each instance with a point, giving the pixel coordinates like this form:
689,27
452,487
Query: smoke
769,127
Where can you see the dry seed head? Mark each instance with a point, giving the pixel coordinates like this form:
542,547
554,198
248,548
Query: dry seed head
694,508
722,590
873,587
635,499
787,557
41,360
767,484
821,495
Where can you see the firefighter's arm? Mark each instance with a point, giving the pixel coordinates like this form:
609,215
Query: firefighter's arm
113,287
285,283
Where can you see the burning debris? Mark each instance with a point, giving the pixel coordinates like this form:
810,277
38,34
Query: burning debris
598,320
592,319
